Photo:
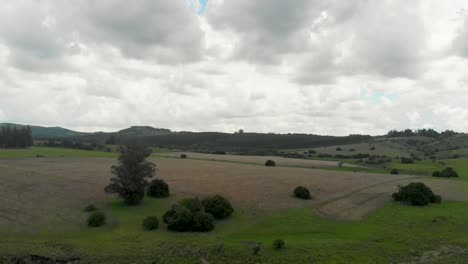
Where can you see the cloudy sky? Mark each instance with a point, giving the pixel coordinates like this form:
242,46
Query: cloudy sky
317,66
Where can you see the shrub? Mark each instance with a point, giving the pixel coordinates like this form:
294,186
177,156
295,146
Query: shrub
90,208
183,156
436,174
150,223
270,163
218,206
279,244
394,171
302,193
158,189
193,204
416,193
96,219
372,148
203,222
405,160
189,215
449,172
339,149
179,219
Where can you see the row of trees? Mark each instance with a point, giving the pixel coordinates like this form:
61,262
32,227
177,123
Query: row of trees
15,137
421,132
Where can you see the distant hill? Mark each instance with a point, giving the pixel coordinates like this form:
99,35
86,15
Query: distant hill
39,132
143,131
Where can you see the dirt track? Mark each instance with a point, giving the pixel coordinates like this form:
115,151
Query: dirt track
46,192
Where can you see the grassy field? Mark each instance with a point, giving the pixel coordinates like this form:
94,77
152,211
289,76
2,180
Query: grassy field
350,220
53,152
392,234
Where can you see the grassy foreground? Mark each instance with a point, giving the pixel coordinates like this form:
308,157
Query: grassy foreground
392,234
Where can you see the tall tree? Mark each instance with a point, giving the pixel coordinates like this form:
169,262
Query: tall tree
131,174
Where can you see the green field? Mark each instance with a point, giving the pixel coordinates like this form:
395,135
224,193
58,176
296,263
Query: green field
34,152
394,233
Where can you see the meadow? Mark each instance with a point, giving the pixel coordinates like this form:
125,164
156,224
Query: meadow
350,220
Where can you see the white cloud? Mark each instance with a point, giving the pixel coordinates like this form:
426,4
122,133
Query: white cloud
327,67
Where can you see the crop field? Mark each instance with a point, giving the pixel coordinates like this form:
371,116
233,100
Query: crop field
350,219
260,160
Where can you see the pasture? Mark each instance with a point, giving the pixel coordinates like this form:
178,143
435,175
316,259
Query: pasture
350,219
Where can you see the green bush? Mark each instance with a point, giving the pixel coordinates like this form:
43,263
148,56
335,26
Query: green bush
158,189
90,208
302,193
218,206
416,193
179,219
270,163
193,204
279,244
449,173
203,222
436,174
96,219
394,171
150,223
183,156
189,215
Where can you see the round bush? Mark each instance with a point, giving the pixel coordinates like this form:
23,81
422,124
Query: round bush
150,223
158,189
192,204
183,156
218,206
394,171
169,214
270,163
203,222
96,219
179,219
90,208
279,244
449,172
416,193
302,193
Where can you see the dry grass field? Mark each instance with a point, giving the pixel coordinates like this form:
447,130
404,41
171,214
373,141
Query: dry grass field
280,161
50,192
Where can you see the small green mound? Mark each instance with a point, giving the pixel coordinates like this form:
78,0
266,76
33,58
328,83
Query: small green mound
279,244
417,194
158,189
218,206
96,219
302,193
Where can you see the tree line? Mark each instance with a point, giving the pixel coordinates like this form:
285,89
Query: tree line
15,137
421,132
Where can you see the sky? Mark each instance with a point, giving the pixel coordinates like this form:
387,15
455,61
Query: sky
318,66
